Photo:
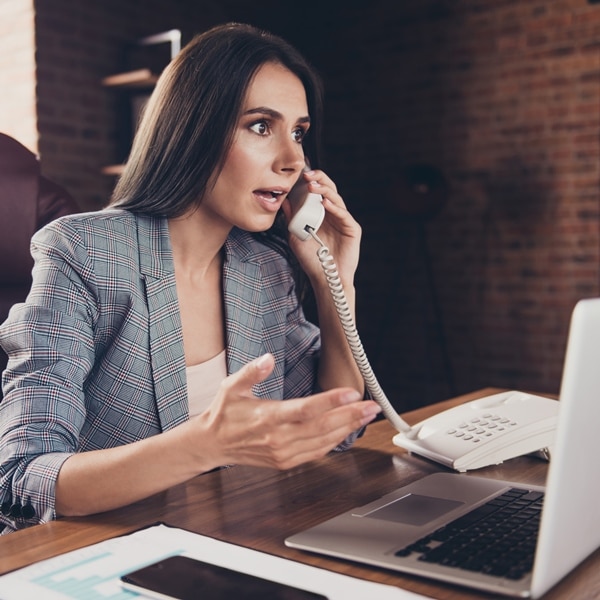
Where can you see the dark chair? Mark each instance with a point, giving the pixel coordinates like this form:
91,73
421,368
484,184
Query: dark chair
27,202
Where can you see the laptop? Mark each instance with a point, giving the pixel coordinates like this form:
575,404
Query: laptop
415,528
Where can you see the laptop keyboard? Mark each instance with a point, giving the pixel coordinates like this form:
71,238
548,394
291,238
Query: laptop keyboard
497,538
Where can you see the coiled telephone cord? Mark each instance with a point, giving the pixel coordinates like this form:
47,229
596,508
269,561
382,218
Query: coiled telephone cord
354,341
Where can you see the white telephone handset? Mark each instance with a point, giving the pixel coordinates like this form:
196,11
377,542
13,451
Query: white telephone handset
307,208
479,433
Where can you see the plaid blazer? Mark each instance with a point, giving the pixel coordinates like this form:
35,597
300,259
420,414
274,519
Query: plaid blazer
96,354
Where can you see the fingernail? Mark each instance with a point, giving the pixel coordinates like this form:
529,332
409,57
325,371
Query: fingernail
369,413
262,361
351,396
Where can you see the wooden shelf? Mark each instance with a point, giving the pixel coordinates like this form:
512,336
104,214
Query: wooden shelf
135,86
139,79
113,169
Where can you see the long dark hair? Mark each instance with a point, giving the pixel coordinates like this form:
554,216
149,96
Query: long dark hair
188,125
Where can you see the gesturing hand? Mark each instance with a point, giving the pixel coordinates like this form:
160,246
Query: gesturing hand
242,429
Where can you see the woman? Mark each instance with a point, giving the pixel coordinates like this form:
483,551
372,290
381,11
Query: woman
160,334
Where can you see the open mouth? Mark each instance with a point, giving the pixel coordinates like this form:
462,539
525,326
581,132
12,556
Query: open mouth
269,195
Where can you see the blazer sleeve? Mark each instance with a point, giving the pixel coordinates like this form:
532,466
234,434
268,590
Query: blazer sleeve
49,340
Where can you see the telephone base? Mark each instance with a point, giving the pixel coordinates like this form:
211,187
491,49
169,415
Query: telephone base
486,431
543,454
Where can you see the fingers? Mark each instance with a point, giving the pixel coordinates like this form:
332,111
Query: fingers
249,375
316,425
341,405
320,178
320,183
243,429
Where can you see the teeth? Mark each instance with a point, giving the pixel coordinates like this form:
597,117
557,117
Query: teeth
270,194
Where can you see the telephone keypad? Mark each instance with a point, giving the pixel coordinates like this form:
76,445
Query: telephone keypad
482,427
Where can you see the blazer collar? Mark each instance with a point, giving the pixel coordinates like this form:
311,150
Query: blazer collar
156,256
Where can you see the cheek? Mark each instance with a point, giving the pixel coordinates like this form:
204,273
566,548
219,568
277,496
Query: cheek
239,165
230,176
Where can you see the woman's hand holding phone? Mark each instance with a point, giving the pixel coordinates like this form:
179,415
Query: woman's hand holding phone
339,231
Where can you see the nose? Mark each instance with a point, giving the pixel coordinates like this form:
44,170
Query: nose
290,157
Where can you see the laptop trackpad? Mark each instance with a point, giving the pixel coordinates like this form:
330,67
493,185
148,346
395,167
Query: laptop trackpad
413,509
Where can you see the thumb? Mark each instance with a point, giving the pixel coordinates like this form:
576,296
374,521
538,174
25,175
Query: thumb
255,371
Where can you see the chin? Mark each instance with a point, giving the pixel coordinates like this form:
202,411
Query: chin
258,227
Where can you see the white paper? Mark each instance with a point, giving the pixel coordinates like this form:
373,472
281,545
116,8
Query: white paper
93,573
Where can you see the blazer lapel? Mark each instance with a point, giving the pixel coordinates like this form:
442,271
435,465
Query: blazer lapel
244,303
166,337
243,311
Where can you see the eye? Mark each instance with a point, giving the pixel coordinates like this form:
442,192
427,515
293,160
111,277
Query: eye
299,134
260,127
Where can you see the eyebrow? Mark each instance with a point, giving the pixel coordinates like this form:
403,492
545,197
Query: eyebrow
274,114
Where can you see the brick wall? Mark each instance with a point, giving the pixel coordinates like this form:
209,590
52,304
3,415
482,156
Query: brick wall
501,96
504,98
521,120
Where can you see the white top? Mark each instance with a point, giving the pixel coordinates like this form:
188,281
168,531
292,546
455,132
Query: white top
203,381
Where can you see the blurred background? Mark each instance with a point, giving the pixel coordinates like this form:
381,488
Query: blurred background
464,135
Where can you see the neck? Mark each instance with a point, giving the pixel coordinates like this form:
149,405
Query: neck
196,243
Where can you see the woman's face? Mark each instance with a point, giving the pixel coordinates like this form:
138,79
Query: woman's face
266,156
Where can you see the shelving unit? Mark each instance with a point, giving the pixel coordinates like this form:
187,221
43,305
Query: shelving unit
136,85
138,79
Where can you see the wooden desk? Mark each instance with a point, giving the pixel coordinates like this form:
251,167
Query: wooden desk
259,508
